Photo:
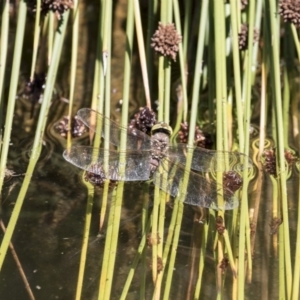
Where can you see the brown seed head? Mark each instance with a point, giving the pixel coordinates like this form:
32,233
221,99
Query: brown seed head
290,11
165,40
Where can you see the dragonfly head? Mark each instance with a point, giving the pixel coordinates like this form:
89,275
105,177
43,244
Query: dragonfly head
162,127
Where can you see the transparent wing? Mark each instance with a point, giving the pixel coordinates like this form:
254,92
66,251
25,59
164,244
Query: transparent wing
136,139
205,160
114,165
199,190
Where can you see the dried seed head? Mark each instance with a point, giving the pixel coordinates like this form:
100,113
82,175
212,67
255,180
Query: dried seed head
243,37
165,40
220,225
56,6
143,120
201,139
290,11
97,177
290,157
269,161
224,264
77,127
160,264
232,181
244,3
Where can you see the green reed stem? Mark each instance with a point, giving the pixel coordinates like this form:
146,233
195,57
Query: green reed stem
257,26
85,240
201,262
280,139
36,39
296,279
106,274
296,40
221,110
286,107
74,55
237,73
244,238
167,247
13,88
3,50
155,211
135,262
161,223
173,253
37,144
51,22
182,58
152,12
101,91
186,27
98,84
198,72
167,73
144,222
115,211
142,53
221,93
282,286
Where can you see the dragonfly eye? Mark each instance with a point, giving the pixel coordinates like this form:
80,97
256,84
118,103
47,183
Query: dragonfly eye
161,127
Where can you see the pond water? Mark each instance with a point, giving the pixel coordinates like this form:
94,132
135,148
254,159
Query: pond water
49,233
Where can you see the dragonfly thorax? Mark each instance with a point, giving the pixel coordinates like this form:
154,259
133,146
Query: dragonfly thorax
160,141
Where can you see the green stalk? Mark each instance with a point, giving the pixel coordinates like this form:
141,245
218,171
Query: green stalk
237,73
135,262
152,11
37,145
75,38
13,88
244,217
173,253
115,214
221,110
167,247
182,59
296,287
197,76
201,262
257,26
186,27
106,279
36,40
3,49
85,240
296,40
98,84
280,139
51,21
221,96
166,14
142,54
286,107
154,232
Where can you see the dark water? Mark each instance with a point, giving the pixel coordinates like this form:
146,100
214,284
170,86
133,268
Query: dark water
49,232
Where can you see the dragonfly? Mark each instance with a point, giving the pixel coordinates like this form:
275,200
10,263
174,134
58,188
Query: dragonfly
146,157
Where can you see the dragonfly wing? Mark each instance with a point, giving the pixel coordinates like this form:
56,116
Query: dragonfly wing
98,123
114,165
198,190
205,160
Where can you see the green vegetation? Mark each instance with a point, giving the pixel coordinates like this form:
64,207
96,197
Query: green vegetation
228,67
